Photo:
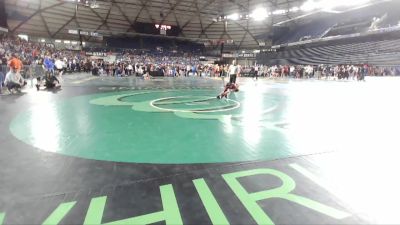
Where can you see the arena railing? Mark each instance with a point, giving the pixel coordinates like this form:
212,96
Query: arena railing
27,71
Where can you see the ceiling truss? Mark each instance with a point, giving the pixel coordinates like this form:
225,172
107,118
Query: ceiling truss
195,18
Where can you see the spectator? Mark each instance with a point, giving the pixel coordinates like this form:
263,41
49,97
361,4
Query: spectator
1,82
14,80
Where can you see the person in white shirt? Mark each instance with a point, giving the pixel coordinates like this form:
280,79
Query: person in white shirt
309,71
59,66
292,71
256,68
187,70
233,71
14,80
266,71
140,70
130,69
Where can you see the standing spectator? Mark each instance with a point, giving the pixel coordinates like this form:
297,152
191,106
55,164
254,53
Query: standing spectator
256,69
1,82
48,66
130,69
59,65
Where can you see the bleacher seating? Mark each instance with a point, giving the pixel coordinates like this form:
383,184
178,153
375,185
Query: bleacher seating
152,43
386,52
334,24
349,28
314,30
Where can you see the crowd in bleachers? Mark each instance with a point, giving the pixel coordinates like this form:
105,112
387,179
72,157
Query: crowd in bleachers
139,62
126,63
33,55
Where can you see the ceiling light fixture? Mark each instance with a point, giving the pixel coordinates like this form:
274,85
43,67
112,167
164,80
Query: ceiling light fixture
234,16
259,14
311,5
279,12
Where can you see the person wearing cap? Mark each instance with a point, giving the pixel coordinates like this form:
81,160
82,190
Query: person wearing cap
14,80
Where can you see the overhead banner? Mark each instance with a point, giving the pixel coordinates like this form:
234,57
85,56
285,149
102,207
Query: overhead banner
240,55
100,54
73,47
269,50
246,55
85,33
2,29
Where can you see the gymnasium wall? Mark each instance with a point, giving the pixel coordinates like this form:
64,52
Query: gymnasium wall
3,15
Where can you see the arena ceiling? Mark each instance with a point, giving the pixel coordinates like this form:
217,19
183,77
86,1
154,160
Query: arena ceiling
196,18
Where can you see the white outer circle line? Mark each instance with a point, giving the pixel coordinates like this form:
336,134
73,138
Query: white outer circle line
191,111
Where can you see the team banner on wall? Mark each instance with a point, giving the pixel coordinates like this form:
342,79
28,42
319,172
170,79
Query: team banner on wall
73,47
86,33
101,54
238,55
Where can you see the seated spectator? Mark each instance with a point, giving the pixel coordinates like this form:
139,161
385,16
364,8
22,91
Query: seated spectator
50,82
14,80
